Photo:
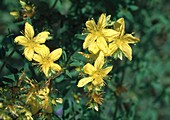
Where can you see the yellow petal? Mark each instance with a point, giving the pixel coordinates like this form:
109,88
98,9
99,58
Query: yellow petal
91,25
41,37
102,21
29,52
21,40
93,48
45,69
102,45
110,34
55,67
89,69
99,61
127,50
38,58
120,26
38,48
105,71
98,81
29,31
84,81
112,48
56,54
59,100
130,39
90,39
42,50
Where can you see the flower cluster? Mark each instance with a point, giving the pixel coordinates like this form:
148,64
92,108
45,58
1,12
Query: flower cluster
37,98
106,38
96,72
111,41
35,49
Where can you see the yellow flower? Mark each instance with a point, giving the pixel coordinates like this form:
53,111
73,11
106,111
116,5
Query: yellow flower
98,35
46,59
96,72
30,42
122,41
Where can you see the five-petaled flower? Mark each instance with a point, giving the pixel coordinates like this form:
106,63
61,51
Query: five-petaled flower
98,35
96,72
122,41
46,59
30,42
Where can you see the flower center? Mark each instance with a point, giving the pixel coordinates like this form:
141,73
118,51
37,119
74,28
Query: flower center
97,78
98,34
32,43
46,61
97,74
118,42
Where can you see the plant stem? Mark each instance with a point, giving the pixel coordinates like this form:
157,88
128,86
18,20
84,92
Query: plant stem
116,107
122,77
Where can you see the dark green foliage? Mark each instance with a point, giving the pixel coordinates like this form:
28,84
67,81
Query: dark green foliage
136,90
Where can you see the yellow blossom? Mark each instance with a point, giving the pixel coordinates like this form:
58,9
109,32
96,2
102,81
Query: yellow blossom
46,59
96,72
30,42
121,43
98,35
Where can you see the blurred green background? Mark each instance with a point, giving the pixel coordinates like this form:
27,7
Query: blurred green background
143,83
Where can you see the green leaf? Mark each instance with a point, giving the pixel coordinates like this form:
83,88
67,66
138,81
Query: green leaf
133,7
59,79
76,64
68,74
11,68
80,36
8,79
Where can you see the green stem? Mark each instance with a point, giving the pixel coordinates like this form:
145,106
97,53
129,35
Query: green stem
116,107
160,96
122,77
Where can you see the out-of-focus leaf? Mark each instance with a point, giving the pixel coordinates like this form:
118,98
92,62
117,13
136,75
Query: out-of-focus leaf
68,74
133,7
80,36
64,6
11,68
8,79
